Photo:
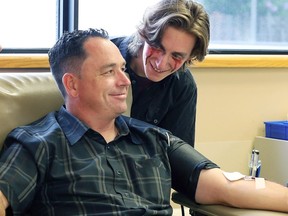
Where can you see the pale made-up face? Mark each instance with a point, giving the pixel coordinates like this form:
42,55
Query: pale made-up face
103,84
165,59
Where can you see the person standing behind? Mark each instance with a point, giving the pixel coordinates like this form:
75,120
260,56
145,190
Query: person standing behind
173,34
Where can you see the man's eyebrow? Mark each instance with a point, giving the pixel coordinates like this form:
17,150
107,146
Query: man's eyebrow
183,55
111,65
106,66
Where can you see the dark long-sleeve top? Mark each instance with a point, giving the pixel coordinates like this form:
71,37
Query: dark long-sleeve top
170,103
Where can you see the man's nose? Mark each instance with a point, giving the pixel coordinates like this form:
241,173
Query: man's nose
162,61
124,77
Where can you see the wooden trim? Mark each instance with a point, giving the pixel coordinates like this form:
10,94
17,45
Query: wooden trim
211,61
24,61
244,61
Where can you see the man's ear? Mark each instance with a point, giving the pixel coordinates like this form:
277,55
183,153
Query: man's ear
70,82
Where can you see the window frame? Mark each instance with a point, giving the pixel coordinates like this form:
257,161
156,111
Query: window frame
67,20
40,61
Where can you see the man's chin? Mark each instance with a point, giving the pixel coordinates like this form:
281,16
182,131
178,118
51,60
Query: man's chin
125,112
155,77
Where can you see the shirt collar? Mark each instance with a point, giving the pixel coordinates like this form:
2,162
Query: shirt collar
122,126
74,129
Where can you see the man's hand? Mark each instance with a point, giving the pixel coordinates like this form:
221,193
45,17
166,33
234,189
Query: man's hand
3,204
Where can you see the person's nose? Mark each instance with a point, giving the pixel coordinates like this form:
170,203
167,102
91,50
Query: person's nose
162,61
124,78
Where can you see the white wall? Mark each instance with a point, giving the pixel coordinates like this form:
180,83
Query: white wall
233,103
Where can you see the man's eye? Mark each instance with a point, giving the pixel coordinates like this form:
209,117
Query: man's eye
178,57
156,48
108,72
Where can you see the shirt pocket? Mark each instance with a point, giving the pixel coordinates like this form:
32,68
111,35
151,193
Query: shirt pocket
152,170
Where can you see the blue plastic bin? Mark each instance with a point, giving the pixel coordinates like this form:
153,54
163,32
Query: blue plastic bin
276,129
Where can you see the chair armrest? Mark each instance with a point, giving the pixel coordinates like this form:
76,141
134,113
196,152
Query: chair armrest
219,210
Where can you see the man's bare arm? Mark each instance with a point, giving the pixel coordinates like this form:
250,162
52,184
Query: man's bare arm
214,188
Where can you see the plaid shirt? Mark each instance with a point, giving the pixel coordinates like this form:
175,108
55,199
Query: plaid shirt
59,166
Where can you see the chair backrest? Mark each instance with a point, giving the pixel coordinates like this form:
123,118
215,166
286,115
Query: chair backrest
25,97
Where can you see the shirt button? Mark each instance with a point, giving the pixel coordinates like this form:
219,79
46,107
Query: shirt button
155,121
119,172
133,81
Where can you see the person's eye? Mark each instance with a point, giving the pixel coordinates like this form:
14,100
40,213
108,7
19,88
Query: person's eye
154,47
157,48
124,69
107,73
178,57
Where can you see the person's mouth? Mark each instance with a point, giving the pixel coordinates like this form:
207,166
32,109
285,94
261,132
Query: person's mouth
120,95
158,70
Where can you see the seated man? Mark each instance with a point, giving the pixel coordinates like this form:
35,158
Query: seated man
88,159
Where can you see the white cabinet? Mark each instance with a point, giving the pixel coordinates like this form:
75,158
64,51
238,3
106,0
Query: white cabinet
274,157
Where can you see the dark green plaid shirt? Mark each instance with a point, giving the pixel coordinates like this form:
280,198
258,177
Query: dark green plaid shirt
58,166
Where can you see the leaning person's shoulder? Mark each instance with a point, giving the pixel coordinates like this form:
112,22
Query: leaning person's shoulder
117,39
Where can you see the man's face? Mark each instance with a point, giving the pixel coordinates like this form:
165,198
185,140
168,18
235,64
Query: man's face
173,51
103,84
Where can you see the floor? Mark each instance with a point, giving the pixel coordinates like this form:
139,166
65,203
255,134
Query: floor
177,208
178,212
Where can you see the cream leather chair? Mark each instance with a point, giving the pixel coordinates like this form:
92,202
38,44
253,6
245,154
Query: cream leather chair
25,97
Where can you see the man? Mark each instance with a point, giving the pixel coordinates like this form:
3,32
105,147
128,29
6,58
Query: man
88,159
171,35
